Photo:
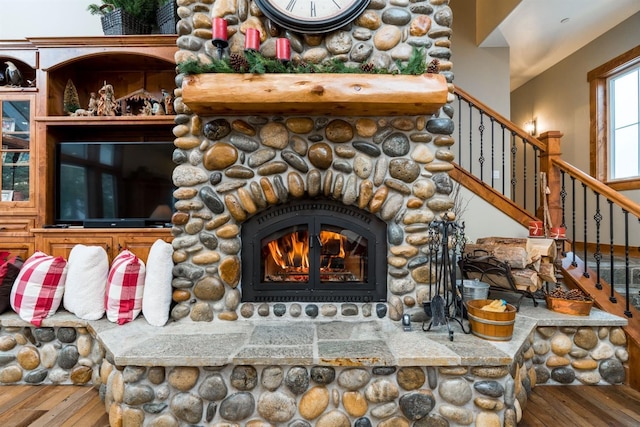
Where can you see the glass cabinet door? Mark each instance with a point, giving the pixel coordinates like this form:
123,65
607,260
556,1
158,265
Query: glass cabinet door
16,144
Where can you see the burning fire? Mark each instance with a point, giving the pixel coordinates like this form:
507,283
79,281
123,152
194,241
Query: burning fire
292,251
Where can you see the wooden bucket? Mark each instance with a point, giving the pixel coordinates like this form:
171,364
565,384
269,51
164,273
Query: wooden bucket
490,325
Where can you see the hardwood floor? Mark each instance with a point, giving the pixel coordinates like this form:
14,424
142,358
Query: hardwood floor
548,406
578,405
51,406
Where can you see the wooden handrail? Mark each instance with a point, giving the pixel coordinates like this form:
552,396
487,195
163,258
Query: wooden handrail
500,119
595,185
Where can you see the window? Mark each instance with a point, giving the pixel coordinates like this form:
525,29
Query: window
615,117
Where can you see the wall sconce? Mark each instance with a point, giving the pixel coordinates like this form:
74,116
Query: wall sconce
530,127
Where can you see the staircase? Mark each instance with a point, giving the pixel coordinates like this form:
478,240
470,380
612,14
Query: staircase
601,223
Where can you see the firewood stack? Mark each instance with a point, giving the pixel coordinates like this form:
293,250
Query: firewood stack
531,260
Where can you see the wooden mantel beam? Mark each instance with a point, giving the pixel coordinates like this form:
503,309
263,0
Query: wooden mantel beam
321,93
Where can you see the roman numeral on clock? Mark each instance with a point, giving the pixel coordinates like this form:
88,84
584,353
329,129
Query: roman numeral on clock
291,5
313,9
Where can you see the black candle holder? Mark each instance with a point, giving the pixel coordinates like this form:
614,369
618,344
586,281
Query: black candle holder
221,45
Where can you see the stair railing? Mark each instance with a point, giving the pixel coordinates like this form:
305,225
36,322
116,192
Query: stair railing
512,163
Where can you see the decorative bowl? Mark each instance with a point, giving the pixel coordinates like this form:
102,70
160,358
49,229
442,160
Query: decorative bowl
567,306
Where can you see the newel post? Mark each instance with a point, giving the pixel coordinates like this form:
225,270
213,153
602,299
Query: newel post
554,180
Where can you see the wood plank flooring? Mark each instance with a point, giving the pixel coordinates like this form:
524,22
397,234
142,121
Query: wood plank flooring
51,406
578,405
548,406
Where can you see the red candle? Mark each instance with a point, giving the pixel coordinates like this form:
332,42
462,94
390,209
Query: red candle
252,39
219,29
558,233
283,51
536,229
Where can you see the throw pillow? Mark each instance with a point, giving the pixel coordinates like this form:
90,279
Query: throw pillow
9,269
38,289
125,286
156,299
88,269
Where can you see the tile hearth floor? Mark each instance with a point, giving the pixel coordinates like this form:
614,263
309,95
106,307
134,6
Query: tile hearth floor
288,341
340,342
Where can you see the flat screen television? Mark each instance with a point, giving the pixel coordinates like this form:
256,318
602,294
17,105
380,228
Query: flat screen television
114,184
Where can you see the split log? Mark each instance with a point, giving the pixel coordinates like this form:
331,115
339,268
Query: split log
515,256
542,247
547,270
527,279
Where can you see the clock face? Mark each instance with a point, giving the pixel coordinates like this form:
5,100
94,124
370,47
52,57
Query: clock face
312,16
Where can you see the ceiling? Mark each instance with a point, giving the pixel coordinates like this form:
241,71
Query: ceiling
540,33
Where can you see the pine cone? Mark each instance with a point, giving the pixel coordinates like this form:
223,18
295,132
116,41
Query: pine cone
239,63
367,68
433,67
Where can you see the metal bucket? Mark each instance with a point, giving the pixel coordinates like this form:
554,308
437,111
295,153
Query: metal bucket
474,289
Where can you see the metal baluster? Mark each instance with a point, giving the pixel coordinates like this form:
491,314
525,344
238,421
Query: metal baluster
481,158
504,151
471,138
563,197
612,296
460,128
514,150
598,255
493,149
573,221
524,174
535,177
627,268
585,273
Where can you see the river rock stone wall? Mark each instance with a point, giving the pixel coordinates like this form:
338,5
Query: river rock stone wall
323,396
60,355
579,355
229,168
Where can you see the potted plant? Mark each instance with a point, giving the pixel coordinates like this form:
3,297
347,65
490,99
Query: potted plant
121,17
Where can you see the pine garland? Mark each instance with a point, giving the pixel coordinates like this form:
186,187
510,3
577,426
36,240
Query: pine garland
255,63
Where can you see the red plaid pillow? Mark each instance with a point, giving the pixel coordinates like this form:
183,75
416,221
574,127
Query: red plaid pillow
38,289
9,269
125,286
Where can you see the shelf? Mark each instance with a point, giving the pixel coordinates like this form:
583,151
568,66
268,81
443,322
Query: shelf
106,120
331,94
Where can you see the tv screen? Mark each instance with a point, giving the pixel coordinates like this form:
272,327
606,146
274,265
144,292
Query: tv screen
126,181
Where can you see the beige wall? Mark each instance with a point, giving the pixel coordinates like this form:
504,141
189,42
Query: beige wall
559,97
47,18
482,72
490,14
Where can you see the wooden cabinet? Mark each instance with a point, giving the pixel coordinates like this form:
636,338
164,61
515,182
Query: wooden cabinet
59,242
36,124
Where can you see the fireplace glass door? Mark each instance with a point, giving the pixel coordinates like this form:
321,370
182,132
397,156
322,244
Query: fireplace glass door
329,254
319,255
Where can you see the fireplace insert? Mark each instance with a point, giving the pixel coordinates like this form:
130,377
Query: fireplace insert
317,250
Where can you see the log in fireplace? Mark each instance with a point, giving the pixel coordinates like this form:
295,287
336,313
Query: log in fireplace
314,250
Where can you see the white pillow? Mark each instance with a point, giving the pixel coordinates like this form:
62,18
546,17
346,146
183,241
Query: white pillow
156,299
88,269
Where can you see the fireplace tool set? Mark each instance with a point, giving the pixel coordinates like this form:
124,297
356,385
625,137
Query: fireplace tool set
444,303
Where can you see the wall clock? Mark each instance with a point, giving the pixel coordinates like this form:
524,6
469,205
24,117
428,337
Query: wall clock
312,16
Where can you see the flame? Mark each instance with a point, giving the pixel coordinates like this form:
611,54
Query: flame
292,251
326,236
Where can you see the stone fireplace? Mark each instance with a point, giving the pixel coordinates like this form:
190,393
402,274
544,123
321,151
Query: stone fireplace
255,171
